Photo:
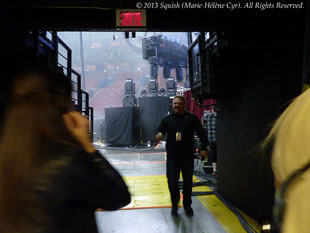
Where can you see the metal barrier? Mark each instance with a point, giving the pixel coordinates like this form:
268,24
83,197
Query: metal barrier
76,90
52,52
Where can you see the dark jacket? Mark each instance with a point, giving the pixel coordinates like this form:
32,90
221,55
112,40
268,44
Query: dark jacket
81,184
187,124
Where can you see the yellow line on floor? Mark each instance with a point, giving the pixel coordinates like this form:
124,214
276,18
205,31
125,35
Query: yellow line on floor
224,216
152,192
139,153
147,162
148,192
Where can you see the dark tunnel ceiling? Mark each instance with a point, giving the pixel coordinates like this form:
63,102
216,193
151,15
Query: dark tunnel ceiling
100,16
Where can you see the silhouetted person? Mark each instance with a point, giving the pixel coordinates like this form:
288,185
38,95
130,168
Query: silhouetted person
210,122
180,127
51,177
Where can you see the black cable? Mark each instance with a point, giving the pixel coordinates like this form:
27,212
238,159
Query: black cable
246,226
204,176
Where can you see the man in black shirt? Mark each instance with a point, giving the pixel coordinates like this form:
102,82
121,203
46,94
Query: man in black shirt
180,127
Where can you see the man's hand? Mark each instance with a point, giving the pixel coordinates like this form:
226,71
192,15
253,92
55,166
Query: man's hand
159,136
203,154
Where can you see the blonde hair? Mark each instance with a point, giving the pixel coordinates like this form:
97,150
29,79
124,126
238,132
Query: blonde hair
291,137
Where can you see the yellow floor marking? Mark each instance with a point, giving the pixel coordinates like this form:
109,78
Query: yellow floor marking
225,217
136,153
152,192
142,162
148,192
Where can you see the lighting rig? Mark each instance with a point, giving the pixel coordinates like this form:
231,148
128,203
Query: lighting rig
162,51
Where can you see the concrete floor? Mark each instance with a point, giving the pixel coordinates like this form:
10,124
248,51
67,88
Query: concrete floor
151,220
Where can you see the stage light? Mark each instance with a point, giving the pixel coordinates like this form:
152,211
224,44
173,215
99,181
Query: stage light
171,87
143,92
129,87
129,99
153,87
162,91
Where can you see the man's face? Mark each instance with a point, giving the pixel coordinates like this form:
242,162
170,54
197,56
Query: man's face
178,106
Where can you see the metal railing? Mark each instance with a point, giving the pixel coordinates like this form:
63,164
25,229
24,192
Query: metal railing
54,53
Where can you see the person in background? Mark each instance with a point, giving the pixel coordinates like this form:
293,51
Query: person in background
51,177
291,166
180,127
209,120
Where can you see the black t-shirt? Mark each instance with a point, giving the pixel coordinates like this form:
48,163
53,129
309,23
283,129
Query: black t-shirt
185,125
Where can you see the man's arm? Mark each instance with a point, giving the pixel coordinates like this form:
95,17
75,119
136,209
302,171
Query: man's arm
161,130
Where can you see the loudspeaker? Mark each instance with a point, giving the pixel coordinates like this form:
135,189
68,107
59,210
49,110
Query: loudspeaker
154,71
179,74
166,71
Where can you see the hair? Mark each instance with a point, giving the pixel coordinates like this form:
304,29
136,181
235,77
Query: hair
290,137
33,137
180,97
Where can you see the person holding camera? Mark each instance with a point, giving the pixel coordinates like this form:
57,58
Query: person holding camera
52,179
